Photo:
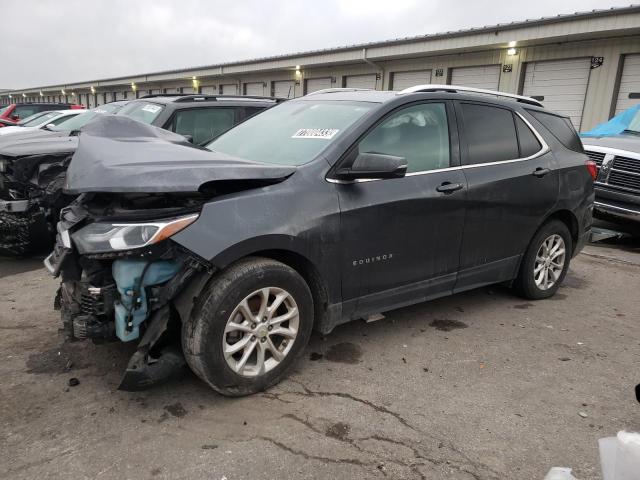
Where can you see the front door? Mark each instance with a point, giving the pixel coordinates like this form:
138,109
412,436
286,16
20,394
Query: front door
513,183
401,237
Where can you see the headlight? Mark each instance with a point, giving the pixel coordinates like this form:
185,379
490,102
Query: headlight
107,237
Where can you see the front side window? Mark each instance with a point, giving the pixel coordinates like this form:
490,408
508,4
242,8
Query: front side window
490,134
203,123
419,134
292,133
145,112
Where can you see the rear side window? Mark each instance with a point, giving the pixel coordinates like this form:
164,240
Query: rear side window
561,128
203,123
490,133
529,144
419,133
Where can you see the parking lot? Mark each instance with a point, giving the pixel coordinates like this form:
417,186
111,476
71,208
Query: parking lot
482,385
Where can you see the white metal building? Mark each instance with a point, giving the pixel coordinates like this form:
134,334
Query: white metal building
585,65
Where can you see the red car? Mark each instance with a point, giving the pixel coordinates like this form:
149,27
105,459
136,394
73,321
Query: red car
15,112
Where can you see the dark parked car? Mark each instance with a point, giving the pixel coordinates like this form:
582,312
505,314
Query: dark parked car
33,164
18,111
617,154
325,209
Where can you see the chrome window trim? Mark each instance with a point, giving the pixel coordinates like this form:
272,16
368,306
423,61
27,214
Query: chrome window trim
543,150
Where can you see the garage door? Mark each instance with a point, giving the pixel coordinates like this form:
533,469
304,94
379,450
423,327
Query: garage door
486,76
629,92
119,96
361,81
284,89
560,85
315,84
402,80
255,88
206,90
229,89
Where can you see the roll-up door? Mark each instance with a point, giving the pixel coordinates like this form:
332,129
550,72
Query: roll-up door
254,88
284,89
361,81
485,76
561,85
315,84
205,90
119,96
629,90
402,80
229,89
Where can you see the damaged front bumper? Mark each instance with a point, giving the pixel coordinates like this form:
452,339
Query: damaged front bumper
135,295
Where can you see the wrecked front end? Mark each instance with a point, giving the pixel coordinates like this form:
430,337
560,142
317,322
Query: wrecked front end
123,279
31,197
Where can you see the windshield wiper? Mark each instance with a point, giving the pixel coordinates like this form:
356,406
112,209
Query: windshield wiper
633,132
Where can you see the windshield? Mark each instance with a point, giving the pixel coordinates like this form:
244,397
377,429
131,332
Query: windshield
292,133
42,119
2,110
31,118
75,123
108,108
145,112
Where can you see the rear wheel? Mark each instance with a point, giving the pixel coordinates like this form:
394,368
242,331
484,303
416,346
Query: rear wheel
250,325
545,262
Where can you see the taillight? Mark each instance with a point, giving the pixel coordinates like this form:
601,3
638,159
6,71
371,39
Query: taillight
593,168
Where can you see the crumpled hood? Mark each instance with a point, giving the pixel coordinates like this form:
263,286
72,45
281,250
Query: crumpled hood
39,146
623,141
117,154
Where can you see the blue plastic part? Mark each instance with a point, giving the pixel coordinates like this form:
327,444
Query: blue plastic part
617,124
127,275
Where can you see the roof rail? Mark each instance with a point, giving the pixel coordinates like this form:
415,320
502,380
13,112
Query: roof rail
193,97
460,89
338,89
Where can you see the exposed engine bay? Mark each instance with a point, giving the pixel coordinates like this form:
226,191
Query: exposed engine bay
132,294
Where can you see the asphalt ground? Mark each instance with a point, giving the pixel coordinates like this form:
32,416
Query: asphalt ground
481,385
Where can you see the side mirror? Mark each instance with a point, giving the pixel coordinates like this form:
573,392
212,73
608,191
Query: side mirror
374,166
15,118
189,138
49,126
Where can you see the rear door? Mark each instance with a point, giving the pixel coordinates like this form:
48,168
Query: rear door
401,237
512,184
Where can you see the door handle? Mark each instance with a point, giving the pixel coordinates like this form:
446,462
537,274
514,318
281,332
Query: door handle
448,187
541,172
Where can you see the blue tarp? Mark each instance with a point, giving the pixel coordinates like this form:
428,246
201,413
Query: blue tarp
618,124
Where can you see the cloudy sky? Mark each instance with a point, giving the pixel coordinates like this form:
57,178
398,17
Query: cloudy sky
61,41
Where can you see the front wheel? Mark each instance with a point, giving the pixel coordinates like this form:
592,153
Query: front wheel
250,325
545,262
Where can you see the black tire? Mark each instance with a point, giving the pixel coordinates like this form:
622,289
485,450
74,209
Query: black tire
203,334
525,284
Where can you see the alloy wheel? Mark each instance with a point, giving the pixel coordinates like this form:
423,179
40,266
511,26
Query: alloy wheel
549,262
260,331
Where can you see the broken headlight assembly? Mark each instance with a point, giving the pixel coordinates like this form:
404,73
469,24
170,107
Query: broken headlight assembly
104,237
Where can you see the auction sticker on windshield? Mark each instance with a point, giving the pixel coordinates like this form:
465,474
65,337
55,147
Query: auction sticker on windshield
151,108
316,133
